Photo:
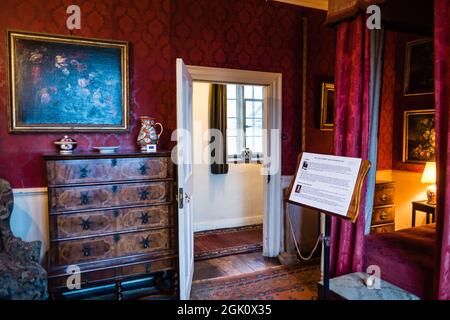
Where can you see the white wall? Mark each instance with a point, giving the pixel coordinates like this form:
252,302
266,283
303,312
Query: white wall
408,188
29,219
222,201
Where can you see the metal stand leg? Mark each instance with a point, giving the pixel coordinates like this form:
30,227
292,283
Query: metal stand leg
326,257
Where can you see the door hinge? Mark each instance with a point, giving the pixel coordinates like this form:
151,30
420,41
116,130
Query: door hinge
180,197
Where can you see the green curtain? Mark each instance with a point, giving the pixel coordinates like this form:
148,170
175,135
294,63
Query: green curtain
218,120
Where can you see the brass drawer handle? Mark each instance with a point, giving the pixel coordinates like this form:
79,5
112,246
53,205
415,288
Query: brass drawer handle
84,172
144,217
85,224
384,197
113,162
143,169
116,237
143,194
114,189
145,242
84,198
116,213
86,251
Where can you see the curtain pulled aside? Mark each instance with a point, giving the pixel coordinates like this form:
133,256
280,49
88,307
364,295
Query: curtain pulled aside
442,100
351,134
376,72
218,121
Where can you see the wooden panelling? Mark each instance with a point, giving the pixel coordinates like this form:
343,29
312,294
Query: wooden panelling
101,170
108,247
63,199
107,221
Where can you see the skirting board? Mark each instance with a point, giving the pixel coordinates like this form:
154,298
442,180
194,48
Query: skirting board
227,223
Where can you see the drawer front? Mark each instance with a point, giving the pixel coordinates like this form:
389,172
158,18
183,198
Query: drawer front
384,195
96,197
383,228
108,247
383,215
100,170
108,221
91,278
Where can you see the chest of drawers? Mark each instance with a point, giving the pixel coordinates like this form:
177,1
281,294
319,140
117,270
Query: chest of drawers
383,214
111,216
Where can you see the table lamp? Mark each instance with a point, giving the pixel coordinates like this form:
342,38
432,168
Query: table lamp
429,177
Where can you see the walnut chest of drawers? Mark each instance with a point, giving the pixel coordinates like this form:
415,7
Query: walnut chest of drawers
112,216
383,214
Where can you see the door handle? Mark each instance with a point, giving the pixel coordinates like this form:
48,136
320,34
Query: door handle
187,197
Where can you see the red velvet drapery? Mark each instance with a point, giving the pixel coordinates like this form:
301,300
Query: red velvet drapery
442,92
351,133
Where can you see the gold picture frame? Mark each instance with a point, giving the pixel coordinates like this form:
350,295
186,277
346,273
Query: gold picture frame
67,84
419,75
327,107
419,144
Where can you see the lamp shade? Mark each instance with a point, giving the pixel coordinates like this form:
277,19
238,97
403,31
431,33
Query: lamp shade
429,174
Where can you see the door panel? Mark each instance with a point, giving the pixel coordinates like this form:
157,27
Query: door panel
185,178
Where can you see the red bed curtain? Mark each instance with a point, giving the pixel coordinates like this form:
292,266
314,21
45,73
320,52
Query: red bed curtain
442,92
351,133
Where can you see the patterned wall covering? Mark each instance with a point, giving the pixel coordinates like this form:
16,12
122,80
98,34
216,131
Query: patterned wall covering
386,130
251,34
321,64
394,103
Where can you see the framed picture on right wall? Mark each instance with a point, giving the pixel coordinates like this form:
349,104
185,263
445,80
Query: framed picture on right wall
419,136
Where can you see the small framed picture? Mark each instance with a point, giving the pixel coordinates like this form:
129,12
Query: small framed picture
419,137
419,68
327,107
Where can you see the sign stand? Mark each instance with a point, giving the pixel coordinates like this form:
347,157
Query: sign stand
331,185
326,258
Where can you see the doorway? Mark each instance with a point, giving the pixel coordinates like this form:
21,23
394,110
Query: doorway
272,215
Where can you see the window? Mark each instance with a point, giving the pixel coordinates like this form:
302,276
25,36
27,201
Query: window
245,119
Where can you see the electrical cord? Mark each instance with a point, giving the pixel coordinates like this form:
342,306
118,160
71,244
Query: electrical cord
295,240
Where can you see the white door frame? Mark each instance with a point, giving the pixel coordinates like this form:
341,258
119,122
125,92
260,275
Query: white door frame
273,215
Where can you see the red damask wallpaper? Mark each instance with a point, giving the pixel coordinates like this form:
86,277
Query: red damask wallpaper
386,131
394,103
250,34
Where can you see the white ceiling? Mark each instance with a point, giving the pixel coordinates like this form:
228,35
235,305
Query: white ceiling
316,4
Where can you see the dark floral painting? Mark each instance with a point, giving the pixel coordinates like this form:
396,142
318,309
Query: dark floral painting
67,84
419,136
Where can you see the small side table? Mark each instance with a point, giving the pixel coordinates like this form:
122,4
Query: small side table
423,206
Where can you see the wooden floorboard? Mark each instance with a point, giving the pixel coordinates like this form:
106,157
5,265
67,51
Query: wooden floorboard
232,265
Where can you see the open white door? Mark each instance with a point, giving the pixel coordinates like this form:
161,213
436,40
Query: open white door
185,179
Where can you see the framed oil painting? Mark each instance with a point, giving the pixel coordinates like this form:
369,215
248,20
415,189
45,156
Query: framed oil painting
419,68
327,107
60,83
419,136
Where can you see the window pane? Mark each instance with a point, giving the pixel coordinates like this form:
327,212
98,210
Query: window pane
258,109
249,143
248,92
258,123
231,108
231,91
231,123
232,145
249,109
258,91
258,145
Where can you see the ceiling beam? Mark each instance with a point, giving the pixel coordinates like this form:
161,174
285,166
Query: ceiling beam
316,4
